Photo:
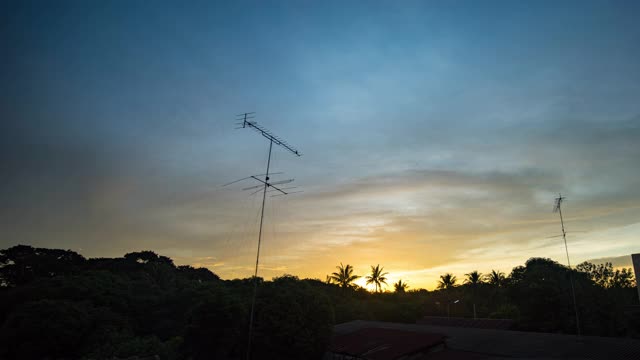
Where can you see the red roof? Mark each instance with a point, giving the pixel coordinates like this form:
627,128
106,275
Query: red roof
384,344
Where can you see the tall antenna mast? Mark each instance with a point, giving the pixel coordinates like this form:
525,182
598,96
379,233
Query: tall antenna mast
558,208
265,184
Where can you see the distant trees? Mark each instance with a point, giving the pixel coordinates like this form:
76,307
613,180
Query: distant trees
216,327
70,307
198,274
294,320
541,289
604,275
400,287
344,276
447,281
146,257
537,295
45,329
496,277
21,264
56,304
377,277
474,278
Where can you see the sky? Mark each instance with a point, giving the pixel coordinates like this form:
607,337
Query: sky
435,134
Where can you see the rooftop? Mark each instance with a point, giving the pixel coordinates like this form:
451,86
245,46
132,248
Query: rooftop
472,343
381,344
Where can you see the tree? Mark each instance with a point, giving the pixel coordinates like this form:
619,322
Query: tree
21,264
623,279
55,304
45,329
377,277
197,274
293,321
542,291
145,257
344,276
216,327
604,275
474,278
400,287
496,278
447,281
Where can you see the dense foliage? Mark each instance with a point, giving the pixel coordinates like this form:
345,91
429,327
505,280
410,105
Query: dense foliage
56,304
538,297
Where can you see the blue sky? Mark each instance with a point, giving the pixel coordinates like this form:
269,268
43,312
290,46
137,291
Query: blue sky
435,134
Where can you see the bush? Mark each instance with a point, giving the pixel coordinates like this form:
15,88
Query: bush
506,311
293,321
45,329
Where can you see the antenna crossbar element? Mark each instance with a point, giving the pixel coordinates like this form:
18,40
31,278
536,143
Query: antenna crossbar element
289,193
265,132
275,182
252,176
253,187
272,190
269,185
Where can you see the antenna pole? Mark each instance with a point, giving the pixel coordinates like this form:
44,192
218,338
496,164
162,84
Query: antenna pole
255,274
564,236
245,122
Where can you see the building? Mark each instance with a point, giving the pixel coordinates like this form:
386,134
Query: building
464,343
375,343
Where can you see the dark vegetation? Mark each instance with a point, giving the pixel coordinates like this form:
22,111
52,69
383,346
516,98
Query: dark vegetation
56,304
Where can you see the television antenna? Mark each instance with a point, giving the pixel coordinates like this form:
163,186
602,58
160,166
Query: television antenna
558,208
266,186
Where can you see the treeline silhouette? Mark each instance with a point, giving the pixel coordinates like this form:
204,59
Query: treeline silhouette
56,304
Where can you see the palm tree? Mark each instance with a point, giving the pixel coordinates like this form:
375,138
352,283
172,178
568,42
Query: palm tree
377,277
474,278
447,281
400,286
496,278
328,280
344,276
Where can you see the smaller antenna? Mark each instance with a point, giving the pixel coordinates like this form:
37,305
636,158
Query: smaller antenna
558,208
558,203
